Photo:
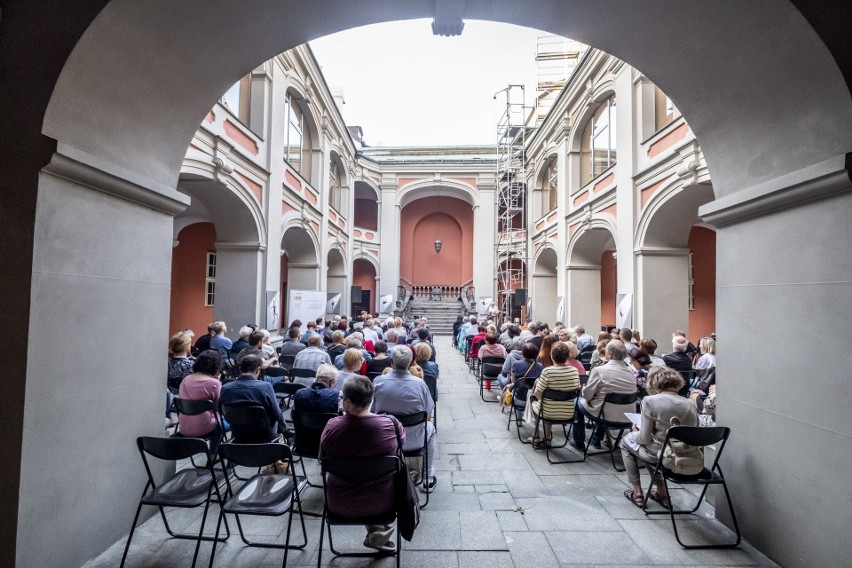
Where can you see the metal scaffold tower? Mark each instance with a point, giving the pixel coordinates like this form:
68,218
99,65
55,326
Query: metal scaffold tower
511,254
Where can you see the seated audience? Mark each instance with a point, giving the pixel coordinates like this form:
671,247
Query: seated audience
360,433
353,342
479,337
544,351
599,356
219,342
573,351
321,397
515,355
614,376
650,347
644,444
313,355
242,342
309,332
203,342
203,384
491,347
423,336
422,354
255,341
679,359
414,368
350,365
641,362
528,366
561,377
293,344
337,346
399,392
583,339
180,365
626,336
265,346
707,346
691,349
507,338
247,390
380,361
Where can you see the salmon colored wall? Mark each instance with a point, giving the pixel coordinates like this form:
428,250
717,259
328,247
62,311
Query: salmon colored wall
702,320
364,275
189,266
609,287
367,214
448,219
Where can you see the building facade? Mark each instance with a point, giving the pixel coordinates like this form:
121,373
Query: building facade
285,198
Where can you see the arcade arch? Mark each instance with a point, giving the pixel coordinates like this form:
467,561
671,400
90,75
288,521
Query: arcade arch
592,276
299,265
543,287
336,277
106,128
364,272
366,206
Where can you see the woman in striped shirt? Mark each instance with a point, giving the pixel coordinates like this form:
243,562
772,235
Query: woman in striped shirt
560,377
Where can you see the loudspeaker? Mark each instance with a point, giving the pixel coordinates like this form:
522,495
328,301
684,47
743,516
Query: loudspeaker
356,294
520,296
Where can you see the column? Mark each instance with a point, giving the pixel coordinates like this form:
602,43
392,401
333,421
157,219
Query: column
662,293
484,232
240,294
583,300
389,214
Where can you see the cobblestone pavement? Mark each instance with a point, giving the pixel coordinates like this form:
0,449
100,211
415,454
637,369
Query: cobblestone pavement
498,503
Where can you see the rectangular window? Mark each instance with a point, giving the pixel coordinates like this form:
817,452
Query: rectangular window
237,99
293,151
210,280
691,281
663,109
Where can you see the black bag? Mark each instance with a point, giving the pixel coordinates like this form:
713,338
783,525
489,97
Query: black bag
406,498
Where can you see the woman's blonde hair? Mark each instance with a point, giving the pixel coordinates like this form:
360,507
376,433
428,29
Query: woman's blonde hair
423,352
707,345
573,350
352,357
663,378
179,344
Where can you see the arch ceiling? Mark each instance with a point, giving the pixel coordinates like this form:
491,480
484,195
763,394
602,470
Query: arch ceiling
299,246
233,218
589,246
668,220
545,262
115,98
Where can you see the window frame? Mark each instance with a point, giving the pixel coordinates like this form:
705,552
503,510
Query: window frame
588,168
210,280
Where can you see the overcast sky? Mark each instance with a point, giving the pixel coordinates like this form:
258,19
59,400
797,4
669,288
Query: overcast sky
407,87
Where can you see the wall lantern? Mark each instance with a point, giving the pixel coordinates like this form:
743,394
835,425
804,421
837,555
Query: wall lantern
438,245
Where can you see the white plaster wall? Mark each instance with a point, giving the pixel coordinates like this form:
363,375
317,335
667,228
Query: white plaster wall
96,361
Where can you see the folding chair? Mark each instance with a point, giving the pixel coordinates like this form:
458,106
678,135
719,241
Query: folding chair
431,381
305,377
274,375
187,488
556,396
249,424
689,380
468,345
361,470
286,361
414,419
284,392
189,407
695,436
519,403
488,371
473,360
611,398
265,494
308,427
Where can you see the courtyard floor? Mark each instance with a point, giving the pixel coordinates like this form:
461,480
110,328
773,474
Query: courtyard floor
498,503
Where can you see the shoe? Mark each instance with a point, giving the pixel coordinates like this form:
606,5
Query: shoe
577,446
430,483
381,541
596,445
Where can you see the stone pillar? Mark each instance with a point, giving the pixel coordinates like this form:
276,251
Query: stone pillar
389,218
564,196
583,300
484,232
662,293
101,276
785,267
240,295
544,293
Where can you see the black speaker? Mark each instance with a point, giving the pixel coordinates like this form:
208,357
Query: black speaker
521,297
356,294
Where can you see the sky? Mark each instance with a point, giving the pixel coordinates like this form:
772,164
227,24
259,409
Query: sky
407,87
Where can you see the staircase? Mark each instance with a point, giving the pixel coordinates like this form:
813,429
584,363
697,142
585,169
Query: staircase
441,314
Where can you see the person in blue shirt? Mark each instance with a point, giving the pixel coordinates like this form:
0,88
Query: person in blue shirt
321,397
248,390
218,341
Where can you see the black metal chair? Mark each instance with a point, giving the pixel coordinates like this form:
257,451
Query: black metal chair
409,420
249,424
308,427
274,372
468,345
702,437
431,381
187,488
599,420
584,379
473,361
265,494
489,369
556,396
307,376
286,361
362,470
520,394
284,392
189,407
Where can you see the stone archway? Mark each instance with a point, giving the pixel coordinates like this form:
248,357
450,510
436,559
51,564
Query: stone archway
543,287
591,278
118,121
299,265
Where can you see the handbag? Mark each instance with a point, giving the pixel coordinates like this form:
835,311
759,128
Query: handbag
406,498
681,458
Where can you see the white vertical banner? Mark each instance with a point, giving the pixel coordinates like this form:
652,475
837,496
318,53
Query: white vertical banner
624,310
483,304
386,304
306,305
333,303
273,312
560,309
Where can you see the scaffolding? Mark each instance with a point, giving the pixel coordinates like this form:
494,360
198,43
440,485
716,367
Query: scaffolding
511,254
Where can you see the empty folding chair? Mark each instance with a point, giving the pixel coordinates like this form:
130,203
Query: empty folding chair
264,494
187,488
305,377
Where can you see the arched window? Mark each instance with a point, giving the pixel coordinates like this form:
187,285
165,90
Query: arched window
664,110
335,186
549,192
237,98
598,152
298,138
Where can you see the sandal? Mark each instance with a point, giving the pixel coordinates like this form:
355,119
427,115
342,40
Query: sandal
664,501
537,443
635,498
